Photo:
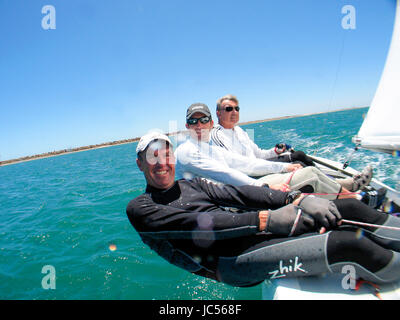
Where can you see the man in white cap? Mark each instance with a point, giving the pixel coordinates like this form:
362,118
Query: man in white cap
197,157
190,224
156,160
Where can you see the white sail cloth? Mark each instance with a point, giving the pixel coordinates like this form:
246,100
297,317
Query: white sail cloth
380,130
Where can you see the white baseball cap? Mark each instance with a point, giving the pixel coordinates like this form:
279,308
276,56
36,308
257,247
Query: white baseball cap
150,137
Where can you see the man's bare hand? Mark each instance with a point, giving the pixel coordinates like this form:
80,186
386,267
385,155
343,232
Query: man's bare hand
293,167
281,187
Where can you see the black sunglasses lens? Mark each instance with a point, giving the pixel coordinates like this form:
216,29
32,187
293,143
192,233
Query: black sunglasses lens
193,121
230,109
204,120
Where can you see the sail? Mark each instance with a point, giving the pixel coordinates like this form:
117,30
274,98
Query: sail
380,130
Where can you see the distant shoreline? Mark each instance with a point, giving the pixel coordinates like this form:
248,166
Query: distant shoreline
125,141
298,116
67,151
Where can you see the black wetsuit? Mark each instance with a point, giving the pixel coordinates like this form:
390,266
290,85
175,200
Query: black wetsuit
200,220
192,225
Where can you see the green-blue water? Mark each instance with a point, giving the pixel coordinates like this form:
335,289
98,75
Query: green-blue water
66,211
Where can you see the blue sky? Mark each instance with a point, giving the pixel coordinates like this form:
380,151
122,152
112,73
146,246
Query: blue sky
113,70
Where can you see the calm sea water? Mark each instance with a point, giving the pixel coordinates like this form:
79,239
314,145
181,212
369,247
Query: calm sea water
69,212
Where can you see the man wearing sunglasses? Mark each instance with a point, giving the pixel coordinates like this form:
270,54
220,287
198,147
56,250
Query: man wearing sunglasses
196,157
228,135
231,137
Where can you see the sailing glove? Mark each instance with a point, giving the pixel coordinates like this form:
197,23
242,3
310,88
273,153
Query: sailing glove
323,211
289,221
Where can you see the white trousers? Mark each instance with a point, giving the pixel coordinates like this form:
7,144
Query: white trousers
308,176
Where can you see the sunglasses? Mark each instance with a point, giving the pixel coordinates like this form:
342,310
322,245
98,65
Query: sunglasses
193,121
230,109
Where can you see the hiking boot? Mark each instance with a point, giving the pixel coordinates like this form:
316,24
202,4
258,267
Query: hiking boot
358,181
361,180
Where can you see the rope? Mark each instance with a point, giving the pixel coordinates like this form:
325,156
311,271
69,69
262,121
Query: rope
331,194
350,157
291,176
338,69
363,224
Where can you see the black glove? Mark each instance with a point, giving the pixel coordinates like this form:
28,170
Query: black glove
323,211
289,221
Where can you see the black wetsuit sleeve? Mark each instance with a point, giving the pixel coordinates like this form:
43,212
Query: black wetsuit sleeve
244,196
150,217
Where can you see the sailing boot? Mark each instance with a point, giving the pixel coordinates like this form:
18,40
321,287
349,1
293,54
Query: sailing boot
358,181
363,179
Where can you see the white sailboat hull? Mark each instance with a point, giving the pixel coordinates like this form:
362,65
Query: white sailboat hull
328,288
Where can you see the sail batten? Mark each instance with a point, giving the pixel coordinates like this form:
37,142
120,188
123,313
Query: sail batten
380,130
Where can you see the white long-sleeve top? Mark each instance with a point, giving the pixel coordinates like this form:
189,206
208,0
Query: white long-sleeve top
237,141
202,159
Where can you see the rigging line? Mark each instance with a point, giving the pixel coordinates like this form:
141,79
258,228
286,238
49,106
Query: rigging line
337,70
363,224
350,157
332,194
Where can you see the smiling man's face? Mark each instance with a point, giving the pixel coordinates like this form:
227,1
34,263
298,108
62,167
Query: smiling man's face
158,164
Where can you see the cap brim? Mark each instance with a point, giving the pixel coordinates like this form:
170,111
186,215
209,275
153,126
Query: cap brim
145,141
188,116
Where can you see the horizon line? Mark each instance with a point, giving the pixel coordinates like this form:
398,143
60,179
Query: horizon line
131,140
